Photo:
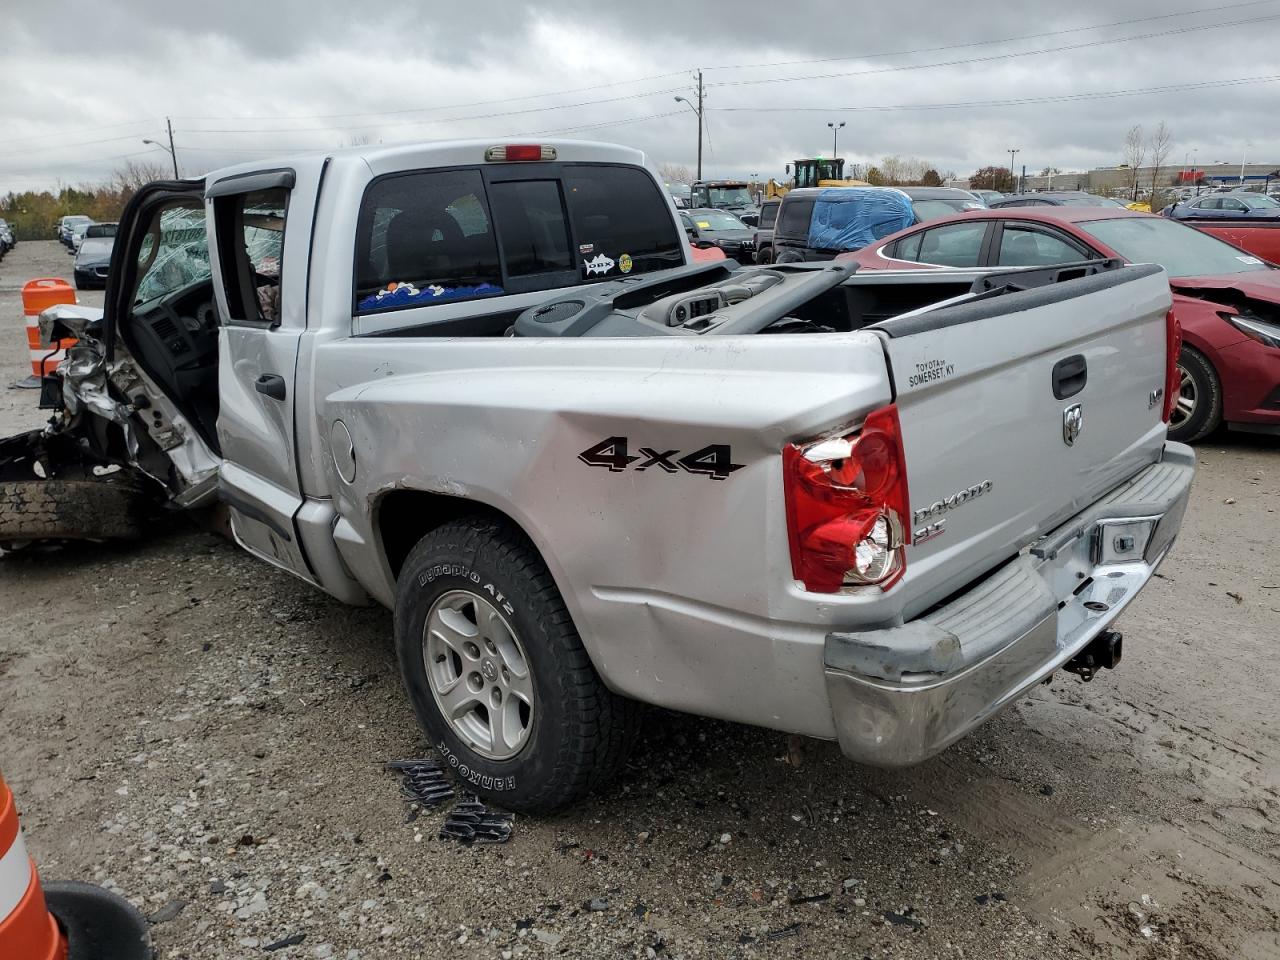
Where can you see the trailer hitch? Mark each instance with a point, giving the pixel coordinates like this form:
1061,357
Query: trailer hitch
1103,651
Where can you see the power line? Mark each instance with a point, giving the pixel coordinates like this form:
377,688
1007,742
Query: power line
65,146
597,86
728,83
64,133
460,106
979,43
1013,101
460,119
997,56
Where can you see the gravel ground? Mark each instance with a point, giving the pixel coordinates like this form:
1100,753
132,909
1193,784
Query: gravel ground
201,732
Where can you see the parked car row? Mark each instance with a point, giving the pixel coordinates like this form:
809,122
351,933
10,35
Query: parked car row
8,239
67,227
93,257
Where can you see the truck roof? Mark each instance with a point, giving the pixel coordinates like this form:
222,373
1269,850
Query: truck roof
384,158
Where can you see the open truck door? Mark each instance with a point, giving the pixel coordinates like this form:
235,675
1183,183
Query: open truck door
257,236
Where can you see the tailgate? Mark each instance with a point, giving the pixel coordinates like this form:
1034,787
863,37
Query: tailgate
994,458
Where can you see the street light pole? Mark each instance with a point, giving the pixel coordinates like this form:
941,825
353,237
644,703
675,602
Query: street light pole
1013,152
835,139
698,111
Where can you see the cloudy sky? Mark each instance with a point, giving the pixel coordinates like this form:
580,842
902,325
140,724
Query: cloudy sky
83,85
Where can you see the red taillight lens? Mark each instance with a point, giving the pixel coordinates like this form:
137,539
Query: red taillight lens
520,151
846,500
1173,347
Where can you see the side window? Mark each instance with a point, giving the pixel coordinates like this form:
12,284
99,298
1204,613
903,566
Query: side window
794,217
953,245
1213,203
425,238
1230,203
250,248
621,221
768,215
908,248
175,251
1023,247
686,222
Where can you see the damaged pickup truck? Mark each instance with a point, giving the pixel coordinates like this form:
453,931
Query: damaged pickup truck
485,386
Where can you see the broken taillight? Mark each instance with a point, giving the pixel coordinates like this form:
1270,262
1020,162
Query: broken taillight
1173,347
846,503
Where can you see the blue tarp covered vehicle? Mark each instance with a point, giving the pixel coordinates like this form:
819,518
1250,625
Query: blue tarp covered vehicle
849,218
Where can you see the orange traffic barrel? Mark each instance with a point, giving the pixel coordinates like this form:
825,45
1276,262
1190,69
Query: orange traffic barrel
59,921
38,295
27,928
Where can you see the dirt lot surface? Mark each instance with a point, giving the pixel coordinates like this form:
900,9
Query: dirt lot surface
203,733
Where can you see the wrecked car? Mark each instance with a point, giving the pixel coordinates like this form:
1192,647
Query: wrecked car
484,385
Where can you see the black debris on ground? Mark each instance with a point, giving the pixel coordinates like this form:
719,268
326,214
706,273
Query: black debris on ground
289,941
422,781
472,822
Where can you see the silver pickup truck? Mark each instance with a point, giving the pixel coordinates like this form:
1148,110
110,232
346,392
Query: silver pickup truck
487,386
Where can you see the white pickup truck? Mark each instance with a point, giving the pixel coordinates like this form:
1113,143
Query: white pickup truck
485,385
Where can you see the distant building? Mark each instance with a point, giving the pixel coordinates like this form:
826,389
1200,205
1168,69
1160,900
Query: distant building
1118,180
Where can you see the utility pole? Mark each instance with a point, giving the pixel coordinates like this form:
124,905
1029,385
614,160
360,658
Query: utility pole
699,124
698,111
1013,179
172,152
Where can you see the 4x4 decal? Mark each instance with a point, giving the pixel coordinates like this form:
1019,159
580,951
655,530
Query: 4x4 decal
613,453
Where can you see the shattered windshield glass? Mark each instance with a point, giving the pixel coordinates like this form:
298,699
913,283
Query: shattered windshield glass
175,251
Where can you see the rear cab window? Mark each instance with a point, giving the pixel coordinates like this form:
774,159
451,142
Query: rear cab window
794,217
435,236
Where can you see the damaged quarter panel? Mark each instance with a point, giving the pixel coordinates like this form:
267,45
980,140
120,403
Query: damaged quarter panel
648,474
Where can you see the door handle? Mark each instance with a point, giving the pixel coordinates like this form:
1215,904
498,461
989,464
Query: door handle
1069,376
270,385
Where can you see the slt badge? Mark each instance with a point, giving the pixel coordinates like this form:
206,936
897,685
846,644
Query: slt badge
1072,423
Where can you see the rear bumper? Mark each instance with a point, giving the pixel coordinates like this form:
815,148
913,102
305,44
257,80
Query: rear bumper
900,695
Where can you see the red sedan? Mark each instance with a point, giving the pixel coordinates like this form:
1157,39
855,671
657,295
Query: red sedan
1227,300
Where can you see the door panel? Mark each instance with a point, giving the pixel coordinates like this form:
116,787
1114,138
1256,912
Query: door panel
260,244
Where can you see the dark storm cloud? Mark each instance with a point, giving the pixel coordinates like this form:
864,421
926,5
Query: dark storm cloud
84,84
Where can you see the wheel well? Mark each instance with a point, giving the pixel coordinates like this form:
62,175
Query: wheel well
406,516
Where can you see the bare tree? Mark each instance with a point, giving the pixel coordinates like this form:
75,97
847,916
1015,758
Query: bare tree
1161,138
675,173
1135,152
138,173
357,140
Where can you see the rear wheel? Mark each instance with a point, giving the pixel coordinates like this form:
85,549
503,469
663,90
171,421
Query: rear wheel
1197,409
497,674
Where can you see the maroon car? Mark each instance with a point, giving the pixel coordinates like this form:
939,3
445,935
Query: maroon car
1227,300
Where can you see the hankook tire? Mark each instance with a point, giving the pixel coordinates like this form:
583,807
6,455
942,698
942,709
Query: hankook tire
497,674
